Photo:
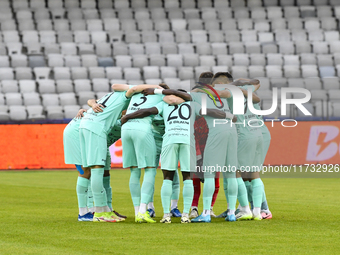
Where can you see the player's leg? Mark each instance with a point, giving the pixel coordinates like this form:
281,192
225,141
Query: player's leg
213,159
187,161
145,151
72,153
151,207
130,160
175,196
94,151
90,204
245,155
217,188
197,193
265,212
229,177
256,182
169,163
107,184
82,193
166,192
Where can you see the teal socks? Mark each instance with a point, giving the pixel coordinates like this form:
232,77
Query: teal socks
188,195
258,190
99,193
175,187
208,192
242,192
232,193
134,185
90,204
148,185
166,192
82,189
108,189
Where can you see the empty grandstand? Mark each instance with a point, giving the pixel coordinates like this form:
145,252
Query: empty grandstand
54,54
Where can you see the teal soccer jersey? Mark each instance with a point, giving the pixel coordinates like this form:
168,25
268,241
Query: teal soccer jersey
102,122
138,102
139,147
244,130
178,140
179,122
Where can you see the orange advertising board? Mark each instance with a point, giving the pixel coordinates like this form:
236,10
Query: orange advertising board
41,146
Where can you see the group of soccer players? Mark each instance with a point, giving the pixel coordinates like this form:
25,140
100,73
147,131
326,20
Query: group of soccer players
156,123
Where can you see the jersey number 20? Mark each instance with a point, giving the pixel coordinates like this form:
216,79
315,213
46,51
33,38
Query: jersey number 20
180,114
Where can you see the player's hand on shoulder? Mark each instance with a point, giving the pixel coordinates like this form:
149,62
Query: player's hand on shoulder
149,91
235,118
80,114
97,107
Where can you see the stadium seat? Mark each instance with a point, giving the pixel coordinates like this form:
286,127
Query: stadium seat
13,99
62,73
96,72
330,83
6,73
82,85
239,71
224,60
241,59
41,72
274,59
70,111
31,98
312,83
64,86
9,86
327,71
256,71
273,71
27,86
132,73
85,48
140,60
84,96
157,60
54,112
257,59
291,71
168,72
309,71
67,99
79,72
17,112
19,61
136,49
23,73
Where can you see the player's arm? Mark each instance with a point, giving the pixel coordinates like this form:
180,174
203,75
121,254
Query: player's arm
120,87
173,100
80,114
140,88
139,114
167,92
220,114
222,93
243,81
255,97
94,105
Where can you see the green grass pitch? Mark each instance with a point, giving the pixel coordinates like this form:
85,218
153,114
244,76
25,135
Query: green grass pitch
39,216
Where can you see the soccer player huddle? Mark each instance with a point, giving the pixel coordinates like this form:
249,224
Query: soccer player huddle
157,123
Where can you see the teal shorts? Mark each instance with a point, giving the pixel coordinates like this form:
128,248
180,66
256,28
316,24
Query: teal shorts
184,153
249,154
139,148
93,148
72,145
220,154
108,160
